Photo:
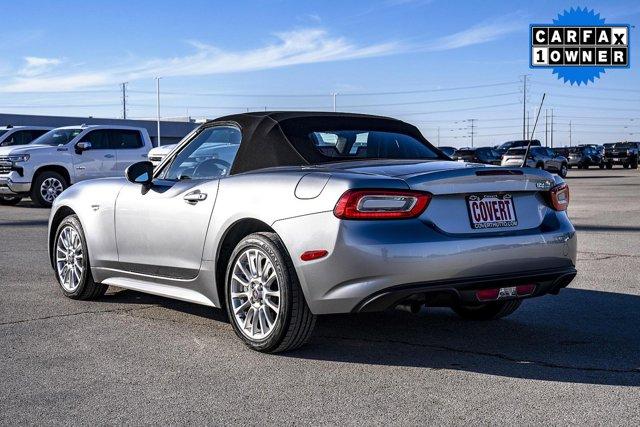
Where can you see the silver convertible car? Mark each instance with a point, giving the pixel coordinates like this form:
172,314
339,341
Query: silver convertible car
277,217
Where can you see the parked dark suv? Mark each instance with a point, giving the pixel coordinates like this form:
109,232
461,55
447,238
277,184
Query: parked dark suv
486,155
622,153
581,157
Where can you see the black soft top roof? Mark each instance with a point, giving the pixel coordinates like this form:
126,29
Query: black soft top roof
280,138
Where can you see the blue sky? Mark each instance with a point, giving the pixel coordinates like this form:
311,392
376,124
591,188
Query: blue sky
459,61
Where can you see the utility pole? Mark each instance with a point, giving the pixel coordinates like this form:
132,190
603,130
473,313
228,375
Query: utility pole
524,106
528,125
158,106
569,133
334,95
546,119
472,123
552,128
124,99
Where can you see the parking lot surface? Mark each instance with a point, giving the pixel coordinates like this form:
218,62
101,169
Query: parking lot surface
133,358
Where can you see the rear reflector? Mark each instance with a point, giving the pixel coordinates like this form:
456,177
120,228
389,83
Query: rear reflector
559,196
508,292
381,204
311,255
488,294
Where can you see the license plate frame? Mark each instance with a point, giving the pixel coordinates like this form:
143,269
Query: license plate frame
491,224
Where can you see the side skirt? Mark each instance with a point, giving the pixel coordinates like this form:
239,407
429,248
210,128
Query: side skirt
119,279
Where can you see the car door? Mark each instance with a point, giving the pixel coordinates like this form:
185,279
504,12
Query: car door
98,160
161,230
129,148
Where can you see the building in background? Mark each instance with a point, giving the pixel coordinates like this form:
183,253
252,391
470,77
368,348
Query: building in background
171,131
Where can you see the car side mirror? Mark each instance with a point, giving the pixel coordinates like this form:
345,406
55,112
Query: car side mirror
82,146
140,173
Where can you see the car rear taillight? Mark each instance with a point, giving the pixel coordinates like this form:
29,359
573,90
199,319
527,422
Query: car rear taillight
381,204
559,197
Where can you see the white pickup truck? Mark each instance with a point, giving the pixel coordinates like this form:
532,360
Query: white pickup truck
66,155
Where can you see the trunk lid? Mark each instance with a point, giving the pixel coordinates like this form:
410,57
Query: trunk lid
455,187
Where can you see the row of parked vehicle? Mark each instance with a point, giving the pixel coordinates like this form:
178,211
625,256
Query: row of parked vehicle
41,162
557,160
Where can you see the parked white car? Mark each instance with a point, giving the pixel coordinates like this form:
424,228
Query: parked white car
66,155
158,153
20,135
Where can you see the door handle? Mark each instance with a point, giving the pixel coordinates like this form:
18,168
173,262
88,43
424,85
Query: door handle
109,156
195,197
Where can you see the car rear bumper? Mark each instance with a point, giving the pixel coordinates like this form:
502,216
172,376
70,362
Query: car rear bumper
451,292
368,258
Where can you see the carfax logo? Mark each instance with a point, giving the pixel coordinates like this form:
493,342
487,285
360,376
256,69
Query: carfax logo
578,46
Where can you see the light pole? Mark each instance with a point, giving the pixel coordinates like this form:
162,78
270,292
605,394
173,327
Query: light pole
158,107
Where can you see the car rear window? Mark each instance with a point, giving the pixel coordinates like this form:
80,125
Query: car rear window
516,151
625,145
370,144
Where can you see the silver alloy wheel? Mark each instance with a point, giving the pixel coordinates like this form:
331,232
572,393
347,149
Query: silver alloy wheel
69,258
50,189
255,294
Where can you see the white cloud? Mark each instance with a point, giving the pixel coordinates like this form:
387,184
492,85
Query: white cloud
35,66
478,34
289,48
304,46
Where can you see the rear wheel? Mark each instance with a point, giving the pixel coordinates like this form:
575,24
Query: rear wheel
626,166
601,165
71,261
634,164
609,166
488,311
264,299
46,187
10,200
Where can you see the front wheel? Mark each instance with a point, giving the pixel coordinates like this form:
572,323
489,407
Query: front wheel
46,187
71,262
263,296
563,170
489,311
10,200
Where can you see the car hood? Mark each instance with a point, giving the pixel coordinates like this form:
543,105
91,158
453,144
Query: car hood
26,149
399,168
163,150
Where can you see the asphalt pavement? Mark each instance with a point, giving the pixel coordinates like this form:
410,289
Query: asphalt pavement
138,359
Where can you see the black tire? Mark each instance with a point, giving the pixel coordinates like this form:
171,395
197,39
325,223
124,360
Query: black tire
626,166
634,164
87,288
295,322
563,170
585,166
601,165
10,200
609,166
488,311
36,196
